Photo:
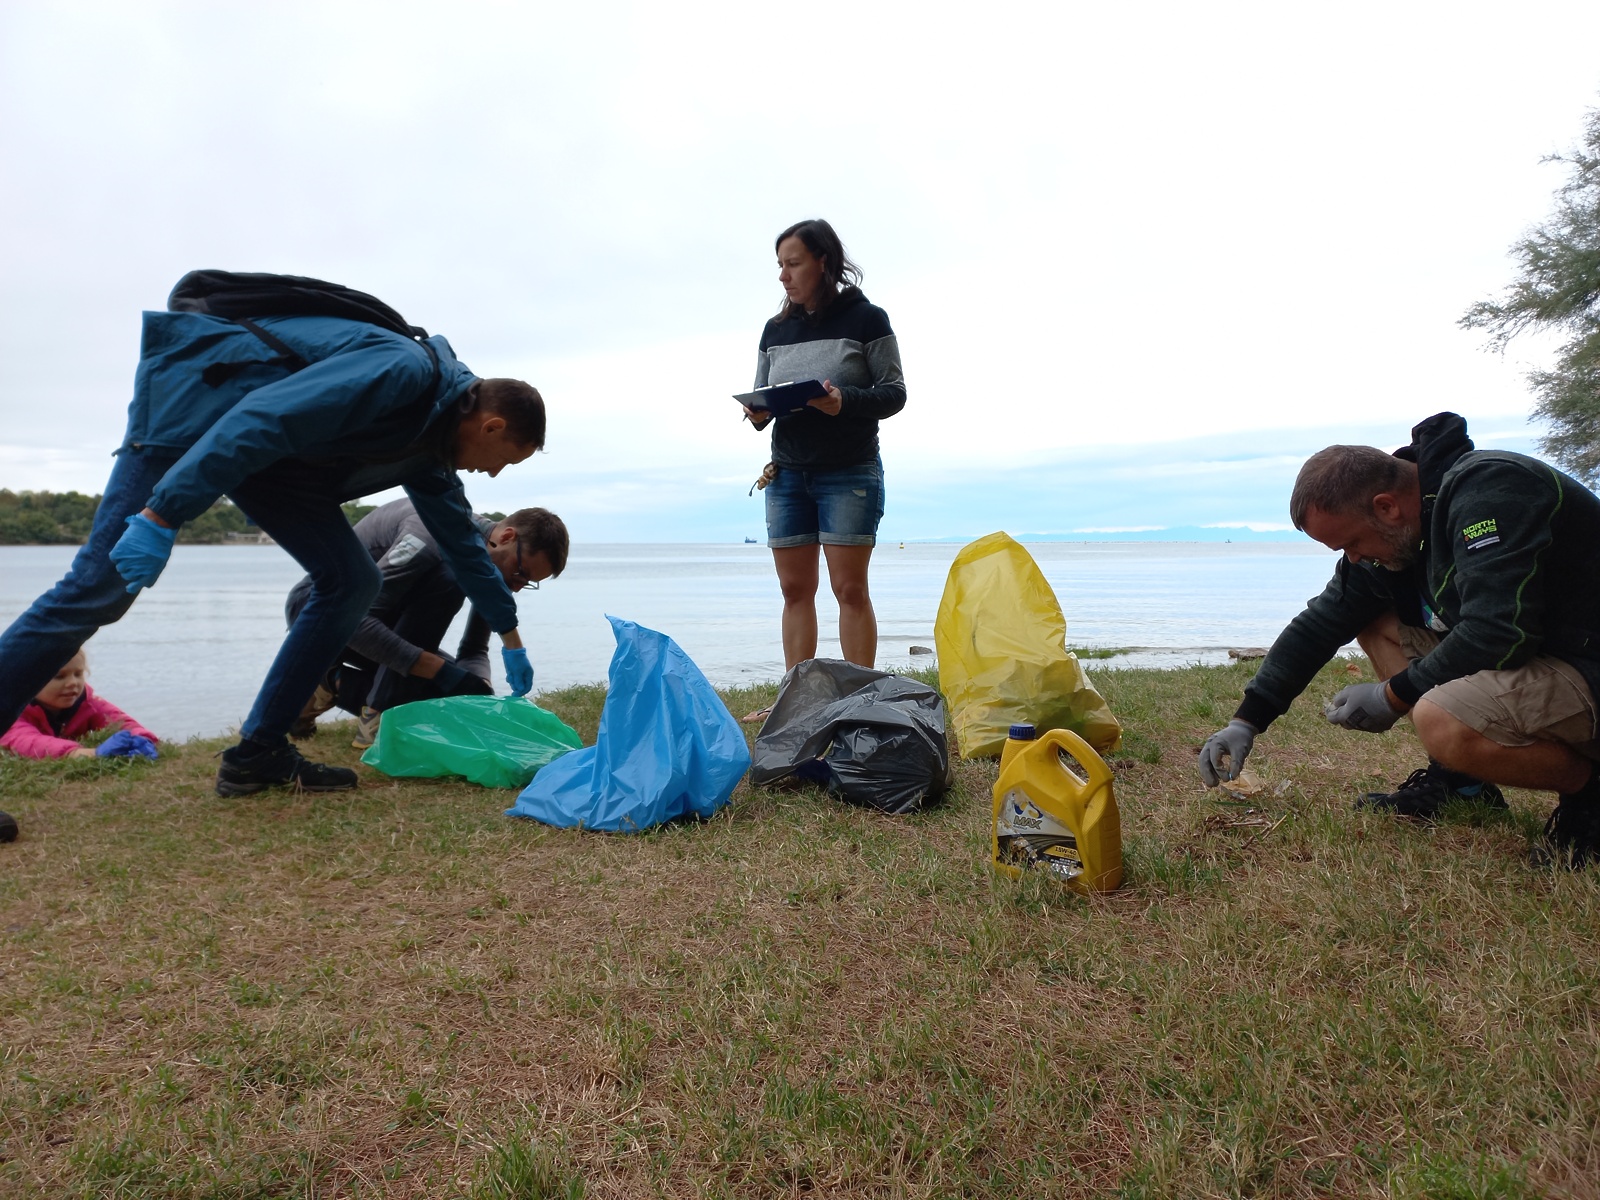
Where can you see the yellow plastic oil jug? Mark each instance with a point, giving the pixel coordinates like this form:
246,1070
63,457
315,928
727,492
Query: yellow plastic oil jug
1054,811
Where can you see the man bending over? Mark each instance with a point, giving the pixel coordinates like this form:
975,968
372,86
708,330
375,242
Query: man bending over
1471,578
394,656
289,416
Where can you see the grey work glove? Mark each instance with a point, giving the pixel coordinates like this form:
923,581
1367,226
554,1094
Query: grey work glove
1232,743
1363,706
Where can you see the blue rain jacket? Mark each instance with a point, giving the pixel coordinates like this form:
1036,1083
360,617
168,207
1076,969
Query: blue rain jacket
365,405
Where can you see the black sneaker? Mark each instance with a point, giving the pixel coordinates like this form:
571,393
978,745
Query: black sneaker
8,827
241,776
1571,836
1425,793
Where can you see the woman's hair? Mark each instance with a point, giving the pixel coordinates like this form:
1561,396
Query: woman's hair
837,270
540,529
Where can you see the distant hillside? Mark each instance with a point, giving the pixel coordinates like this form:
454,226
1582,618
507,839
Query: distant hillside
1170,533
65,518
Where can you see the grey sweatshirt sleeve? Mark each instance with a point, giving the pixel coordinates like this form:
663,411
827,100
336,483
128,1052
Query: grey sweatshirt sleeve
887,395
763,377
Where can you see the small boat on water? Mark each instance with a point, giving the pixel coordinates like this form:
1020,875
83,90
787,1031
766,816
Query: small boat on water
749,541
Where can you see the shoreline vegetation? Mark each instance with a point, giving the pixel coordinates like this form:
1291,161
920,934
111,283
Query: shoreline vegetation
65,518
401,992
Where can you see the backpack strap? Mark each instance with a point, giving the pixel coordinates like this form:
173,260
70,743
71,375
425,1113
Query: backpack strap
219,373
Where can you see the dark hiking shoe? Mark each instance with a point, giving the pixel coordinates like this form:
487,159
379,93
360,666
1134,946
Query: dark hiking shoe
1571,837
1425,793
8,827
283,766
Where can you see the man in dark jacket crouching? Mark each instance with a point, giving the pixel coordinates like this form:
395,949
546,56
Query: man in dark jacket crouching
1471,578
289,416
396,654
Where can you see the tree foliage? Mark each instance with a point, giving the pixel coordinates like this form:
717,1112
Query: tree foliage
45,518
1558,289
65,518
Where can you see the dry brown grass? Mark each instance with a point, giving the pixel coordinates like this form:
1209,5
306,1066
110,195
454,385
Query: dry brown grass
402,993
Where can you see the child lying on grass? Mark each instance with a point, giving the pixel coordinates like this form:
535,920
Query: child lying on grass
67,709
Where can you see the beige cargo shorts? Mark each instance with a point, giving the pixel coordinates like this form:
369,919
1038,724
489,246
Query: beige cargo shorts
1545,699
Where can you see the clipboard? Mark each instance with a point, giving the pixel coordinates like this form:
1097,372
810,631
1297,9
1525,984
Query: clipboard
781,399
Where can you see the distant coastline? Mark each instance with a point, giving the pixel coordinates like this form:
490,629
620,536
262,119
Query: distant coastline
1170,533
65,519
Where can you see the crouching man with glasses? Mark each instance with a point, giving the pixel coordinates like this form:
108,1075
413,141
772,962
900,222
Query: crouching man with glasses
394,656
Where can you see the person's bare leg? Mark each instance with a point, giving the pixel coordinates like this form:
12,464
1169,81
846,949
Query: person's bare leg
1545,766
1380,642
797,577
858,624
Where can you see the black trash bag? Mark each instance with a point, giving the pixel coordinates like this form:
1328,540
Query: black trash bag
875,739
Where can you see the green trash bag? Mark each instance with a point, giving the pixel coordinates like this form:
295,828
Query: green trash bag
497,742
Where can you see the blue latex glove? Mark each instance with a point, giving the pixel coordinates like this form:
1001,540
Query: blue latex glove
142,551
123,744
519,671
1363,706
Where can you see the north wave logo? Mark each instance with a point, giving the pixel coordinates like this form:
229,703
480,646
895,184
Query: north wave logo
1480,534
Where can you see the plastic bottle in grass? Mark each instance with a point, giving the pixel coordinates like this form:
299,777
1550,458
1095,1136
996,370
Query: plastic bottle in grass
1054,811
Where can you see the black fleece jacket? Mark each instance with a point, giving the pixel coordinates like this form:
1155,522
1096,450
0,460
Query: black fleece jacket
851,344
1509,569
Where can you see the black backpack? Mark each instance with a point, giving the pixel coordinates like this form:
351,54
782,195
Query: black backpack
239,295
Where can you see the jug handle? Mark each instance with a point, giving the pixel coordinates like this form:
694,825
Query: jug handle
1094,767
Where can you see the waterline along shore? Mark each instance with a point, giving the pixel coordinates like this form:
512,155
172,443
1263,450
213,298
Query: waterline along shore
189,656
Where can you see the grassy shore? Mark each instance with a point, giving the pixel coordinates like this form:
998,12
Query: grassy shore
400,992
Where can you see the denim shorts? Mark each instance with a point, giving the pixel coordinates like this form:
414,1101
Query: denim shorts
841,507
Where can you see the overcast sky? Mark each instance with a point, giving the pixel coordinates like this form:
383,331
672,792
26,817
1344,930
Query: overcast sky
1141,258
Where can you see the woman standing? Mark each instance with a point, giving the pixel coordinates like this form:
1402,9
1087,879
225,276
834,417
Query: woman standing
828,484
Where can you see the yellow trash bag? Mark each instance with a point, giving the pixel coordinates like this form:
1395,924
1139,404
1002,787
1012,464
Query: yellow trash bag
1003,658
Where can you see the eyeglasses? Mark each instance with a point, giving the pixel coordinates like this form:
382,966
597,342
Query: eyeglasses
522,573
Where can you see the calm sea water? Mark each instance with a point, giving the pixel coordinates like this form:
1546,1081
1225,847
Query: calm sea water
188,658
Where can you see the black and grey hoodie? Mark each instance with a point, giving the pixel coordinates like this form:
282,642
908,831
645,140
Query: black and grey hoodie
1509,570
850,344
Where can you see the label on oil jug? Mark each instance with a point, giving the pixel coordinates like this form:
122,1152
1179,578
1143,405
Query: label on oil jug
1029,838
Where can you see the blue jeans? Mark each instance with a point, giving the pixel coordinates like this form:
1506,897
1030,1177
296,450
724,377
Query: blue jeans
840,507
430,606
292,505
288,502
90,595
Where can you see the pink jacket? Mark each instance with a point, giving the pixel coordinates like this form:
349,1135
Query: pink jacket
31,736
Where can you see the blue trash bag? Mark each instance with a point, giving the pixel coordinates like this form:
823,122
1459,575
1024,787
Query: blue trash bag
668,747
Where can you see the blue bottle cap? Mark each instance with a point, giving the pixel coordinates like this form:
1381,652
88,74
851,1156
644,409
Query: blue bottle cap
1022,733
